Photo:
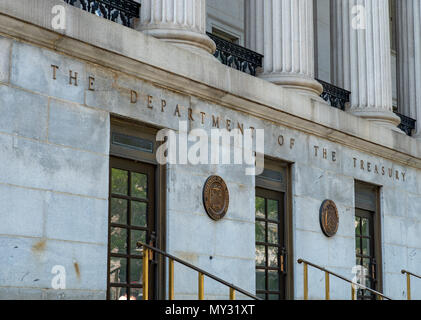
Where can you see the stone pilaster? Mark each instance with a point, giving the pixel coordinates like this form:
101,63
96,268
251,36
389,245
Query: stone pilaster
409,60
362,59
283,31
181,22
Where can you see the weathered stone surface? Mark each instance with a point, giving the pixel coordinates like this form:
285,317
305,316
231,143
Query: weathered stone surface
32,70
75,126
23,113
21,212
44,166
31,260
76,218
5,45
9,293
75,161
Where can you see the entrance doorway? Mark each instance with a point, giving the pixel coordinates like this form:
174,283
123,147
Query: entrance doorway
270,245
131,219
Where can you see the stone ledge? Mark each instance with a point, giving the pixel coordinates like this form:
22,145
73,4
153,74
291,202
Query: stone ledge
111,45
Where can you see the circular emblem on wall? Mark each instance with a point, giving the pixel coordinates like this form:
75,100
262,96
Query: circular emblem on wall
215,197
329,218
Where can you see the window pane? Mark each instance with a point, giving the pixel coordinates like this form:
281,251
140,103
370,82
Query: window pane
139,185
274,297
273,280
273,236
118,293
260,207
366,247
273,256
119,181
365,227
118,211
118,270
136,271
136,236
260,280
138,217
136,294
260,256
273,213
358,245
118,240
260,232
357,226
366,264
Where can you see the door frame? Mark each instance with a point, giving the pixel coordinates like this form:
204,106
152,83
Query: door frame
143,131
286,188
373,205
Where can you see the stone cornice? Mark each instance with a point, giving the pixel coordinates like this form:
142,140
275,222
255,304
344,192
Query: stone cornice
108,44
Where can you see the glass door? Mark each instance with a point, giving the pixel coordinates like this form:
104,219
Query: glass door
365,251
270,248
131,219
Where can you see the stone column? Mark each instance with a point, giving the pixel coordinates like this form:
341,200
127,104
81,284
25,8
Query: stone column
409,60
181,22
283,31
361,58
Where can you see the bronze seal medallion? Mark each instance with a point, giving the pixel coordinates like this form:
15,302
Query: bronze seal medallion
215,197
329,218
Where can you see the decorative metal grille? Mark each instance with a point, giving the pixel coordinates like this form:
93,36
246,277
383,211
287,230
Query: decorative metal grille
236,56
407,124
120,11
337,97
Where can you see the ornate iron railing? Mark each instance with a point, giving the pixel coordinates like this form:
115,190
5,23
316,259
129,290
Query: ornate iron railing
407,124
120,11
337,97
236,56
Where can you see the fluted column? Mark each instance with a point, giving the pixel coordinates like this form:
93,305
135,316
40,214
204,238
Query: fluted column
409,60
283,31
181,22
362,58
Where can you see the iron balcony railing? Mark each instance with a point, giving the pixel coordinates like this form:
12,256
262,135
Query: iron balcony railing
408,282
407,124
354,285
335,96
236,56
147,255
120,11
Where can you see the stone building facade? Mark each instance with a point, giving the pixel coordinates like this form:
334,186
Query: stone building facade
84,98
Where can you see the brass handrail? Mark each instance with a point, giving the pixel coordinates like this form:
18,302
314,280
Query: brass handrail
202,274
408,281
327,287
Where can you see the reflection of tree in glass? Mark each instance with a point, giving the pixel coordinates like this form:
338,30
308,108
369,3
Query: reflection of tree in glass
260,231
118,211
118,240
260,255
273,256
139,185
272,233
119,181
260,207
